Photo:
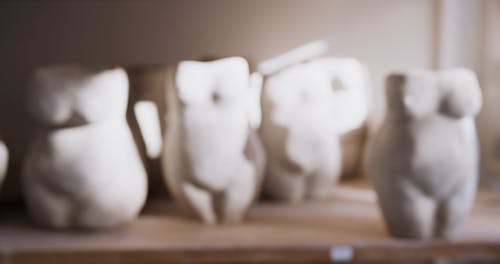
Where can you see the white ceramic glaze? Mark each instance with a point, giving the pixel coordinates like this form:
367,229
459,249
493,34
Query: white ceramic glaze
306,108
82,169
213,160
4,161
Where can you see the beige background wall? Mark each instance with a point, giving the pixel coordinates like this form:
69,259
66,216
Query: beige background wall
489,121
385,34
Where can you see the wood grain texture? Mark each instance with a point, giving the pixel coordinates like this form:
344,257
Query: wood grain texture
273,233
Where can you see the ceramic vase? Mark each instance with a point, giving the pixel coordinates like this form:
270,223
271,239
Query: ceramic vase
306,108
82,169
423,158
4,161
213,160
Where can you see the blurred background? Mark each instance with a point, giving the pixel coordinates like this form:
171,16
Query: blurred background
387,35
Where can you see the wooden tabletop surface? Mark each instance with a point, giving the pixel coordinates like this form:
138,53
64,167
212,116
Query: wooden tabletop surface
346,228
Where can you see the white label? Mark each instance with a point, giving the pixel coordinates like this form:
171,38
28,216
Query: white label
341,253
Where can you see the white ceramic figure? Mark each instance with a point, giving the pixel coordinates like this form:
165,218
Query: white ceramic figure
213,159
4,161
424,156
82,169
306,108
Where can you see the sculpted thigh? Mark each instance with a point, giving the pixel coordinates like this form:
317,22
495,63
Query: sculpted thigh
285,185
239,195
322,182
453,211
407,211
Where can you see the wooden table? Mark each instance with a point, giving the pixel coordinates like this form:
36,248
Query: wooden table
347,228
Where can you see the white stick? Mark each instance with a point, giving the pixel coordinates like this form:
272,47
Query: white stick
302,53
149,123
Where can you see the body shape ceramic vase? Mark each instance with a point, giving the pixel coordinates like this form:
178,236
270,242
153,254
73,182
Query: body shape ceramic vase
423,158
213,159
4,161
82,169
305,109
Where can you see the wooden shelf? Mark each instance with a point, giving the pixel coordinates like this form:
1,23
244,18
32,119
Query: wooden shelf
347,228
